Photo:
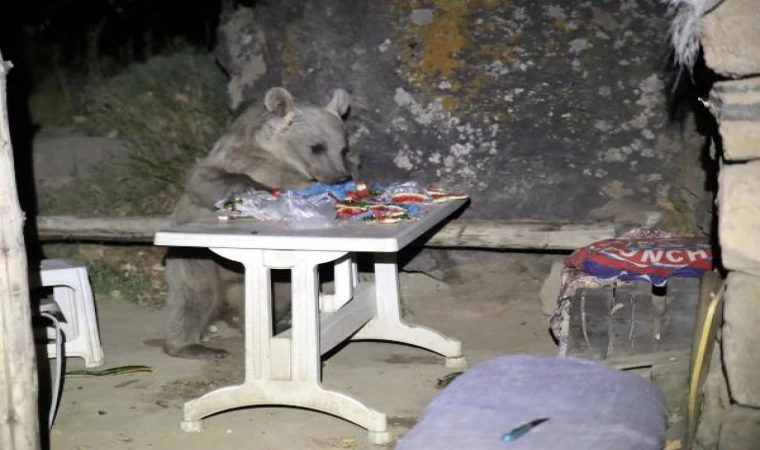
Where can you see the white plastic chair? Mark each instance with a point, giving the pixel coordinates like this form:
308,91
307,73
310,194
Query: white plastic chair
73,296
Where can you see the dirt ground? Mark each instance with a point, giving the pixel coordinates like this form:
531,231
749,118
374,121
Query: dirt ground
493,308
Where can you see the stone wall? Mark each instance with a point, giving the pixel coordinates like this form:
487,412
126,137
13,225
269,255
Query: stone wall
731,44
540,110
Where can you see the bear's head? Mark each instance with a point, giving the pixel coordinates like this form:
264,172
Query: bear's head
313,139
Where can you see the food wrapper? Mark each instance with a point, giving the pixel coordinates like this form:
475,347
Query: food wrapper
319,205
314,211
259,205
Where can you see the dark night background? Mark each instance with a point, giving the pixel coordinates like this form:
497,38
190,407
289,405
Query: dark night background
61,44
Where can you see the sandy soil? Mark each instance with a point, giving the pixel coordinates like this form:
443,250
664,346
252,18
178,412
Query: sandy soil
494,311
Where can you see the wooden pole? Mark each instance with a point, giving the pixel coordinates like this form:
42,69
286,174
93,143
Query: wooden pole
19,422
489,234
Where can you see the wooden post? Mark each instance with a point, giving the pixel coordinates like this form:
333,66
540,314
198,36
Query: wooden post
19,422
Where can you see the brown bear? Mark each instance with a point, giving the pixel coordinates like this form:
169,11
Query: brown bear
280,144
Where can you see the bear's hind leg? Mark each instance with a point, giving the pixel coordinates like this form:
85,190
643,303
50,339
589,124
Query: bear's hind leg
193,301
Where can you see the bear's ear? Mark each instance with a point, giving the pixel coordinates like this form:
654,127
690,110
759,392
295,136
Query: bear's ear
339,103
279,101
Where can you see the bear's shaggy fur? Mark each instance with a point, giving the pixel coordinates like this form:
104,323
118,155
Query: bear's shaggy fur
280,144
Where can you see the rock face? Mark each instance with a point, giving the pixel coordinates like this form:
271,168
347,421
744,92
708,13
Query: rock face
740,338
539,110
741,429
60,158
730,38
739,219
715,401
738,115
731,43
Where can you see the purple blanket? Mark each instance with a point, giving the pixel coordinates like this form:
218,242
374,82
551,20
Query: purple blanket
590,406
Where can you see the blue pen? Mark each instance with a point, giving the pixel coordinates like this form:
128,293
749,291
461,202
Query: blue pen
518,432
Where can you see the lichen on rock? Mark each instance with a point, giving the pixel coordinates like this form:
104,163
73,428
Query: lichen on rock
538,110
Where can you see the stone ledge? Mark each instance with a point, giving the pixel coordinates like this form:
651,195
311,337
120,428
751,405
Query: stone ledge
740,429
741,340
736,104
739,217
731,38
715,400
741,140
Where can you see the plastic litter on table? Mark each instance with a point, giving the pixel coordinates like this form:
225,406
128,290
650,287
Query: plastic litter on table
323,205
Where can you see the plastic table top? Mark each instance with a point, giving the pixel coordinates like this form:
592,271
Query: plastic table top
345,236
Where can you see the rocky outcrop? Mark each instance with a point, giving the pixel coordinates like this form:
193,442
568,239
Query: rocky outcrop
61,157
539,110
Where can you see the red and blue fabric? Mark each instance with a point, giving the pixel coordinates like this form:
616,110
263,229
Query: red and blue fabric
654,260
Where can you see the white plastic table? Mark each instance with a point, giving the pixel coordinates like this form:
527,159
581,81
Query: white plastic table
286,369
